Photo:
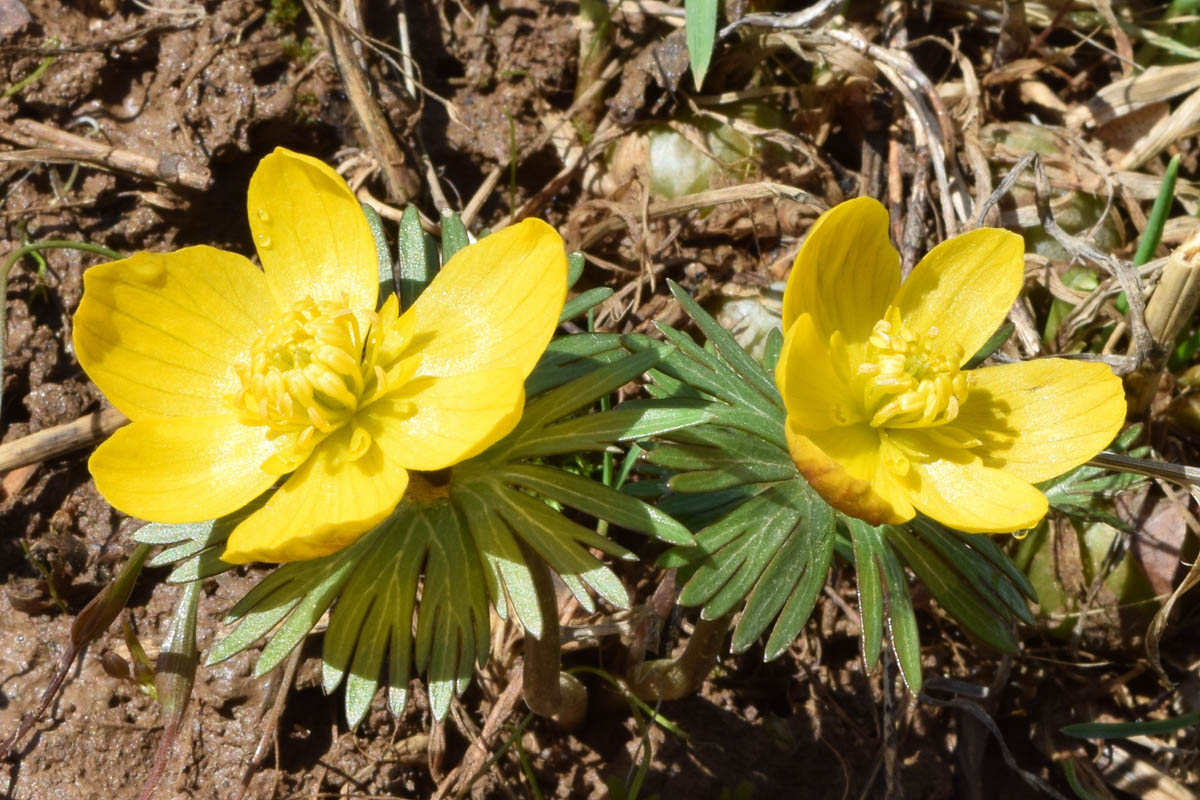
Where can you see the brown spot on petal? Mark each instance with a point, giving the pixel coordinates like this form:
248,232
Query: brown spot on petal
838,487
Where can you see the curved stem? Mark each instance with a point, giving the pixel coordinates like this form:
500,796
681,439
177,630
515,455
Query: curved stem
673,678
549,692
13,258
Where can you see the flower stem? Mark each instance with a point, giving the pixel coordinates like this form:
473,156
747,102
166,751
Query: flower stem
549,692
673,678
13,258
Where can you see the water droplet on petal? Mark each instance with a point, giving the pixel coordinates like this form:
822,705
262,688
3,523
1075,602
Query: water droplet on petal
263,240
146,271
263,215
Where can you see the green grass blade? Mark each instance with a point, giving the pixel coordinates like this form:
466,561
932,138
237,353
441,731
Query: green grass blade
701,22
1157,220
993,344
1121,730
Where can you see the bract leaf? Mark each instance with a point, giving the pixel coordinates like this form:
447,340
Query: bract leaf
454,234
387,278
598,430
576,395
553,537
733,353
511,582
418,257
583,303
598,500
902,620
452,620
868,542
953,592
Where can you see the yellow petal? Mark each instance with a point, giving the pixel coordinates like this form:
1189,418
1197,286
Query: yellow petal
964,288
846,272
325,505
310,233
846,468
1038,419
455,417
159,332
184,469
815,395
976,499
495,303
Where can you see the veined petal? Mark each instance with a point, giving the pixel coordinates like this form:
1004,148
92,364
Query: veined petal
846,272
323,506
1038,419
495,304
433,423
310,233
182,469
846,468
159,332
976,499
964,288
815,395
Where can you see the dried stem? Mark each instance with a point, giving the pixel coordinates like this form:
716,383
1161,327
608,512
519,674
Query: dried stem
60,439
47,143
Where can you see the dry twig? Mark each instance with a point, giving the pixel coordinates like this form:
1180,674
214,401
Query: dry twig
401,183
61,439
1143,342
47,143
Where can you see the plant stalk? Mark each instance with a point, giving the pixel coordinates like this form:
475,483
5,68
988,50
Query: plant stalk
673,678
549,692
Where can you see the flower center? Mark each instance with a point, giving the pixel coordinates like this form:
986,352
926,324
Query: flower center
305,370
906,380
313,368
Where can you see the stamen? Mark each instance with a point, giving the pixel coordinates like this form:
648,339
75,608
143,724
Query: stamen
907,380
314,368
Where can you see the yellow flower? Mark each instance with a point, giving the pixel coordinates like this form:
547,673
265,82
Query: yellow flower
236,377
881,418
